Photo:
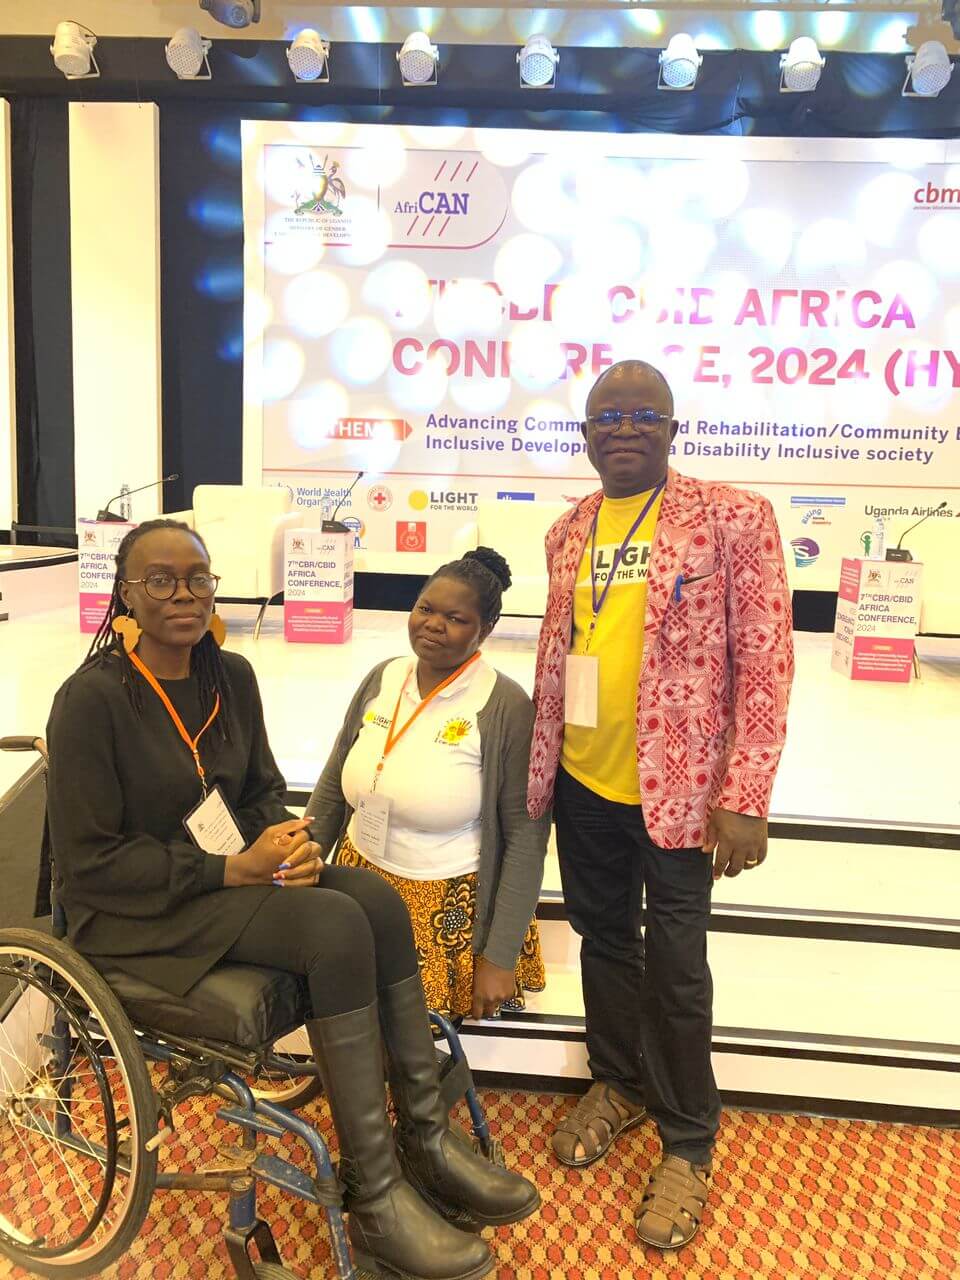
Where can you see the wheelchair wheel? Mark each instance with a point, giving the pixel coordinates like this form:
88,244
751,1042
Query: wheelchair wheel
76,1111
294,1089
270,1271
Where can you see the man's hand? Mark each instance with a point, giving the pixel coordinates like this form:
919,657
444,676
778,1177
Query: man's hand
301,870
491,986
737,840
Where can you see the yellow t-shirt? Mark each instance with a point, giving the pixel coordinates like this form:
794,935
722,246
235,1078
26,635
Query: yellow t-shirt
605,759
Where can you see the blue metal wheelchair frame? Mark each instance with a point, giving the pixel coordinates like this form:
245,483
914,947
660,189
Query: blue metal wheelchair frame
259,1117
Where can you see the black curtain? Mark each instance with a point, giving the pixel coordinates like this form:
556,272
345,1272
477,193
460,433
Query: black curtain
42,312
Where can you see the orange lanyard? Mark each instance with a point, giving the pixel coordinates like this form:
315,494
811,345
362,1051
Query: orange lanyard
393,734
192,743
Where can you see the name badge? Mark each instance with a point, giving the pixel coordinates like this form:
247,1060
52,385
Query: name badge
373,823
212,827
581,687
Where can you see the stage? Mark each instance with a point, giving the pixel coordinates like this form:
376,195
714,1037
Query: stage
836,967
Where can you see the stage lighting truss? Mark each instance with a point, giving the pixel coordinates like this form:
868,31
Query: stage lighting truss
680,64
928,71
187,55
801,66
72,51
538,62
309,58
233,13
418,60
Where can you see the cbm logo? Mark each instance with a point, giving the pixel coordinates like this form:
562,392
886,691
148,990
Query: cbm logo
452,203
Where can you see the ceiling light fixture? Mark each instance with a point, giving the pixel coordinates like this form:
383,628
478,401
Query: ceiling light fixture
538,62
418,60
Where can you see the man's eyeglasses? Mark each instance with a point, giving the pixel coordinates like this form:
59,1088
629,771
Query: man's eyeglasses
639,419
163,586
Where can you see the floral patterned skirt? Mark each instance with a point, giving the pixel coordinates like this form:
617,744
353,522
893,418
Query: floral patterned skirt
442,913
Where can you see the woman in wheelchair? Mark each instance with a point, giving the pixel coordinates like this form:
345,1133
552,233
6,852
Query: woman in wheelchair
160,766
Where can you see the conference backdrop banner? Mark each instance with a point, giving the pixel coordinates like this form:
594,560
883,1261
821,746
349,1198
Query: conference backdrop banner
432,305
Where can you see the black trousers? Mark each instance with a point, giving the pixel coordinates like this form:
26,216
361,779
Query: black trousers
348,936
647,993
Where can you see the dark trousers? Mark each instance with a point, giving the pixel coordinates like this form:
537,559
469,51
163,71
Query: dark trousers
647,993
348,937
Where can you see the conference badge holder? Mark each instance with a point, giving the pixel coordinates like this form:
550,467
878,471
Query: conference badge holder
581,686
212,827
373,824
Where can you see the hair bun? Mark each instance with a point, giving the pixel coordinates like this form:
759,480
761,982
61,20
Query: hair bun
493,561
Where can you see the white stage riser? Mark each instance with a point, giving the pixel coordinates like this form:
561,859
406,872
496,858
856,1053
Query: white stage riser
768,1077
808,986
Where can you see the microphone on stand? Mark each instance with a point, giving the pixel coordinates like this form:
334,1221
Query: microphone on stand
333,525
105,514
895,553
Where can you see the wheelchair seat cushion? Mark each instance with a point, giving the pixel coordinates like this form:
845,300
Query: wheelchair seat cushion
241,1004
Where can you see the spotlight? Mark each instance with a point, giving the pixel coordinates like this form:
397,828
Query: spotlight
233,13
680,63
538,64
418,60
928,72
308,57
72,51
800,66
187,53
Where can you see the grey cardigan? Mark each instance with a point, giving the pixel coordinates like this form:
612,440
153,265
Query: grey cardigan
512,845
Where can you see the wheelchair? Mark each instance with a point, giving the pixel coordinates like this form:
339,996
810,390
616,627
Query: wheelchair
94,1064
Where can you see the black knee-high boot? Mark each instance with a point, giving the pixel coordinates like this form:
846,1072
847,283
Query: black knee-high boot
444,1169
393,1231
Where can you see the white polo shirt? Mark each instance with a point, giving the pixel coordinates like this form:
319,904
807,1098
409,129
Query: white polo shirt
432,775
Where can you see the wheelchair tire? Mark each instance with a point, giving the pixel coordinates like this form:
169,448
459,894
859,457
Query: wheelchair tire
294,1093
59,1090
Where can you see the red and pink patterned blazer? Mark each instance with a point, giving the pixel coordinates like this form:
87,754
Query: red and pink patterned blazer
717,663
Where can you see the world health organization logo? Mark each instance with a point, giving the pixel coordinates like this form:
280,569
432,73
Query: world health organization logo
327,192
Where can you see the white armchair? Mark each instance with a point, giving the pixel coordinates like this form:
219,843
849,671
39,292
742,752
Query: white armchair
517,531
243,527
937,546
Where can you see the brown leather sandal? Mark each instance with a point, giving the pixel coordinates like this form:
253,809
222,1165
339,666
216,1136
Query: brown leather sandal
594,1123
673,1203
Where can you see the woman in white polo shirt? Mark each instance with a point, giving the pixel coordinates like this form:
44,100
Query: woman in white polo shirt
426,785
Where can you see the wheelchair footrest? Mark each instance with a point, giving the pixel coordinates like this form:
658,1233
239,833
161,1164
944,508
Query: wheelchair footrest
287,1177
249,1120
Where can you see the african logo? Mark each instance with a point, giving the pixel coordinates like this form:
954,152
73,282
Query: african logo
328,192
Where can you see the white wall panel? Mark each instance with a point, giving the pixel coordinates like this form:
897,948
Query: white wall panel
8,434
115,277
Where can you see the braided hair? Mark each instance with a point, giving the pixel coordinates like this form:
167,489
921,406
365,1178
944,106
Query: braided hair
205,661
487,573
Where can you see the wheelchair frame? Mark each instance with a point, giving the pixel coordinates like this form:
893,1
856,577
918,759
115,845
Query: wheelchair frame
196,1068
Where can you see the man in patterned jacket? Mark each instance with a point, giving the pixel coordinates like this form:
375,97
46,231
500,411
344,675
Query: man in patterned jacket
663,676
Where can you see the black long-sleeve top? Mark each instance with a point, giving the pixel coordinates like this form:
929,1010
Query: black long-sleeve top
133,886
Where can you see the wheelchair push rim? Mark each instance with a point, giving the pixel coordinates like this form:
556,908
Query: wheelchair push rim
76,1111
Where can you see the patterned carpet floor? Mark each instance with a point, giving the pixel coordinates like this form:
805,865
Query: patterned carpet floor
793,1196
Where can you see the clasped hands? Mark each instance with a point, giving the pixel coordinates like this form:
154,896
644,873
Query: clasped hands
283,854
